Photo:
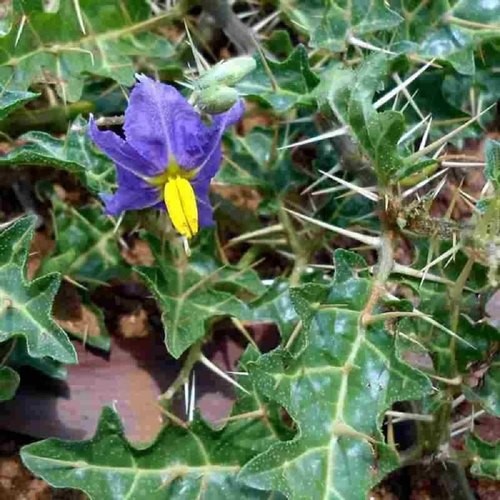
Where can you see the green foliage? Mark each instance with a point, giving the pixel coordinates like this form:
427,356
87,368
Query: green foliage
86,245
360,337
485,457
336,391
281,85
188,464
492,168
329,24
74,154
488,391
26,306
101,38
12,100
192,294
9,382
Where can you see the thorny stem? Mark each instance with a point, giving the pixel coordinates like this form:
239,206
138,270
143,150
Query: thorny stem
384,268
229,22
8,352
192,357
298,247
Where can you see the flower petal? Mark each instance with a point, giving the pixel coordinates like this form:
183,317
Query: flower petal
160,122
220,123
130,199
125,157
205,210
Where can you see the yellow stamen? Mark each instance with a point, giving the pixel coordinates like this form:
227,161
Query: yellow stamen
181,205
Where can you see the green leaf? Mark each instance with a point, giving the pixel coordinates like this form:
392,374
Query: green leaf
192,294
328,23
185,464
485,457
336,391
86,247
26,306
80,318
487,393
75,153
9,382
10,101
251,162
479,11
255,434
276,305
20,357
492,167
291,83
53,46
378,133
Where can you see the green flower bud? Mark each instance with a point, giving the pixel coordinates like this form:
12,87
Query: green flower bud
216,99
227,72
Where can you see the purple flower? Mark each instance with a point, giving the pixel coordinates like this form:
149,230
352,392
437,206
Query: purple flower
168,157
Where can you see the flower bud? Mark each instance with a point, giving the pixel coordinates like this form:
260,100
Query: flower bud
227,72
216,99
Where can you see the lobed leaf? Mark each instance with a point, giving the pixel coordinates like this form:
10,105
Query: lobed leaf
61,47
281,85
185,464
9,382
485,457
25,307
12,100
75,153
86,247
336,391
192,294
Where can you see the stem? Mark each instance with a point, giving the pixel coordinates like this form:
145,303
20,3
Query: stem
192,357
384,268
229,22
298,247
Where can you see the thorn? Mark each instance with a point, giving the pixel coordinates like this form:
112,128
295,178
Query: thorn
387,97
242,416
79,16
451,251
409,97
466,420
415,273
333,170
211,366
326,135
186,396
262,23
201,64
438,188
443,140
426,135
438,152
410,132
174,418
421,184
459,164
192,399
365,45
118,222
401,416
75,283
363,238
358,189
185,245
20,29
329,190
253,234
